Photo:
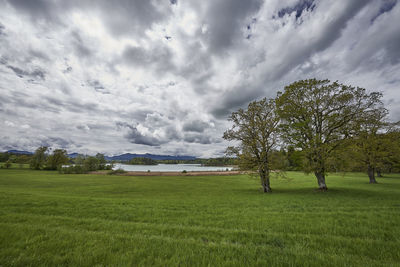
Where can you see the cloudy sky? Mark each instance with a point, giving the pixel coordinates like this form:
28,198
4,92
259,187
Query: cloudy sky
162,76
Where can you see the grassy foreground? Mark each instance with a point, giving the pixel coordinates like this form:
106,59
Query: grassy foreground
52,219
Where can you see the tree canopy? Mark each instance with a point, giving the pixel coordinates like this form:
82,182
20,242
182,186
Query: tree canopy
256,130
317,115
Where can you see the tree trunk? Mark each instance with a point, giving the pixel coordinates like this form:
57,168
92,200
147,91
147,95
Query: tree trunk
321,181
378,173
371,174
264,176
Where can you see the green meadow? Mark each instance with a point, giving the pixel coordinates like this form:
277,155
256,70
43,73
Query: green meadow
49,219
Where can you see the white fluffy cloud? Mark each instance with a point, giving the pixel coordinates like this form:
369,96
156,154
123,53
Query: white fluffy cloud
162,76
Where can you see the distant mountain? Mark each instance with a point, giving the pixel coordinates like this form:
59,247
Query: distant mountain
123,157
20,152
129,156
73,155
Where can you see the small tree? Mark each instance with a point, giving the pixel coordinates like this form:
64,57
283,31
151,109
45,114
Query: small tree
7,164
375,141
102,161
91,164
57,159
318,115
256,129
39,158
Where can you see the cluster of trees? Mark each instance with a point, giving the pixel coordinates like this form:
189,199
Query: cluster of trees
10,158
85,164
42,160
319,125
223,161
142,161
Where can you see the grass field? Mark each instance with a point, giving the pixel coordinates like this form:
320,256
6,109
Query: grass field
51,219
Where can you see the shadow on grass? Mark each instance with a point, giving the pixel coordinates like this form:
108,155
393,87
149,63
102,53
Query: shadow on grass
333,192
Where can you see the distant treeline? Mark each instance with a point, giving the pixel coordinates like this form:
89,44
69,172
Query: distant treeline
44,159
142,161
223,161
289,159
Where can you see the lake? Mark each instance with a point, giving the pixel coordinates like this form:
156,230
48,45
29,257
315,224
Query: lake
169,167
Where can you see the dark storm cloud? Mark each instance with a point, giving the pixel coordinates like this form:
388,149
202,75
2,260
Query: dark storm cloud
98,87
299,7
76,106
2,29
292,57
56,141
134,136
386,6
226,20
238,98
35,74
330,33
37,9
81,49
67,70
125,17
195,126
200,138
159,57
121,17
36,54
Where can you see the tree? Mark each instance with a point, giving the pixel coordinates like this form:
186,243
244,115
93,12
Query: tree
376,141
57,159
256,129
102,161
39,158
7,164
317,115
91,164
142,161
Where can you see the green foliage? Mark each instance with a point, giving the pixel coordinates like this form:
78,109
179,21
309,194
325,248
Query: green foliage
317,115
57,159
87,164
295,159
39,158
142,161
375,142
102,161
116,172
7,164
4,156
73,169
256,130
224,161
91,164
92,220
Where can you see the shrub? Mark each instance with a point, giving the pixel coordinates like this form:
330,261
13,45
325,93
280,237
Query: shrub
117,171
184,171
7,164
74,169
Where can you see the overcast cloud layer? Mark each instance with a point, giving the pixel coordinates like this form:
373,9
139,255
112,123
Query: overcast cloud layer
162,76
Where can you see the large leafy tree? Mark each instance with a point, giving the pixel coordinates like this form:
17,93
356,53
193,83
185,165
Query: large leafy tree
317,115
57,159
375,141
39,158
256,130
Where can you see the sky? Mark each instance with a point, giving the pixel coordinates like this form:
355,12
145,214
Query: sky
162,76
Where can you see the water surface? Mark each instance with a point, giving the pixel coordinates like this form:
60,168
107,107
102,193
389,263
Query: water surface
169,167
